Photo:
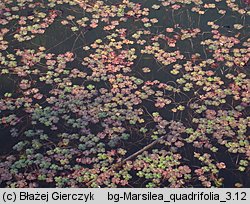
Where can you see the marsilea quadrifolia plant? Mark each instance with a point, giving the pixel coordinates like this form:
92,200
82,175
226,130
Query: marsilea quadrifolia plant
124,93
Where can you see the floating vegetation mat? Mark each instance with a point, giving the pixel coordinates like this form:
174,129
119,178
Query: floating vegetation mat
124,93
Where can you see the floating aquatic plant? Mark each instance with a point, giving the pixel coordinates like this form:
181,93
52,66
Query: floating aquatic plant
132,93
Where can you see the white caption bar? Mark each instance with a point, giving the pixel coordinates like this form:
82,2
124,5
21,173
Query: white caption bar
122,195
